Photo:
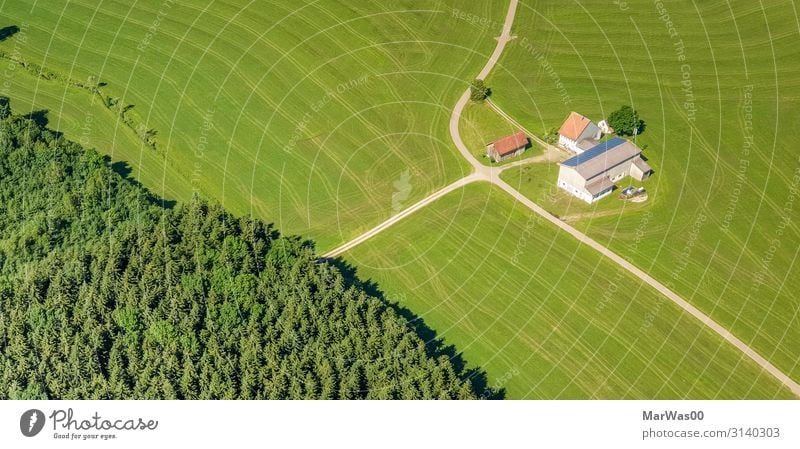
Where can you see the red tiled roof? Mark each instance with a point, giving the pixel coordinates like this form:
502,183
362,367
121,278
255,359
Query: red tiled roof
511,143
574,125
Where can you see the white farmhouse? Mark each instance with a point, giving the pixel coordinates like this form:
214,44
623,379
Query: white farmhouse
578,133
591,175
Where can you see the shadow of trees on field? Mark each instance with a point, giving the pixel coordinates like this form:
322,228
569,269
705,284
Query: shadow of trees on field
8,31
40,118
123,169
434,344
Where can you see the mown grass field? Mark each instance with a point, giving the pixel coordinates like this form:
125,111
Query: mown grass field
481,125
718,90
301,114
327,118
84,120
544,315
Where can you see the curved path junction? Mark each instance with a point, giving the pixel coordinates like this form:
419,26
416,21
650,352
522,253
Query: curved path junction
489,174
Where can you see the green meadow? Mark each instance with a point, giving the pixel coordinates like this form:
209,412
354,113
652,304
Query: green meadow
546,317
326,119
716,83
83,119
481,125
301,114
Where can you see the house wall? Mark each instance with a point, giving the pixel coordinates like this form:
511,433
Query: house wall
566,142
510,155
637,174
573,183
495,156
571,176
591,132
582,193
602,195
574,191
514,154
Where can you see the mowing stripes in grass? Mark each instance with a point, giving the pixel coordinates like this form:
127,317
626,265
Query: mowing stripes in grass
545,316
720,226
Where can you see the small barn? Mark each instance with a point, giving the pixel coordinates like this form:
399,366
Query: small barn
507,147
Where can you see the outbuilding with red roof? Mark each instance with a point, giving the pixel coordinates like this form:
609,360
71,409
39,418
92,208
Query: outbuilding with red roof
507,147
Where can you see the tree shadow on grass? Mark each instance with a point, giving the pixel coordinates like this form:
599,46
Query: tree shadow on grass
434,344
123,169
8,31
40,118
642,127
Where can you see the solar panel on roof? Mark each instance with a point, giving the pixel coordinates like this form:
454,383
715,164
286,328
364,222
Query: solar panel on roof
593,152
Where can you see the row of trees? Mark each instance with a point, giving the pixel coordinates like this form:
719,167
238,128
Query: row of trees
104,293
